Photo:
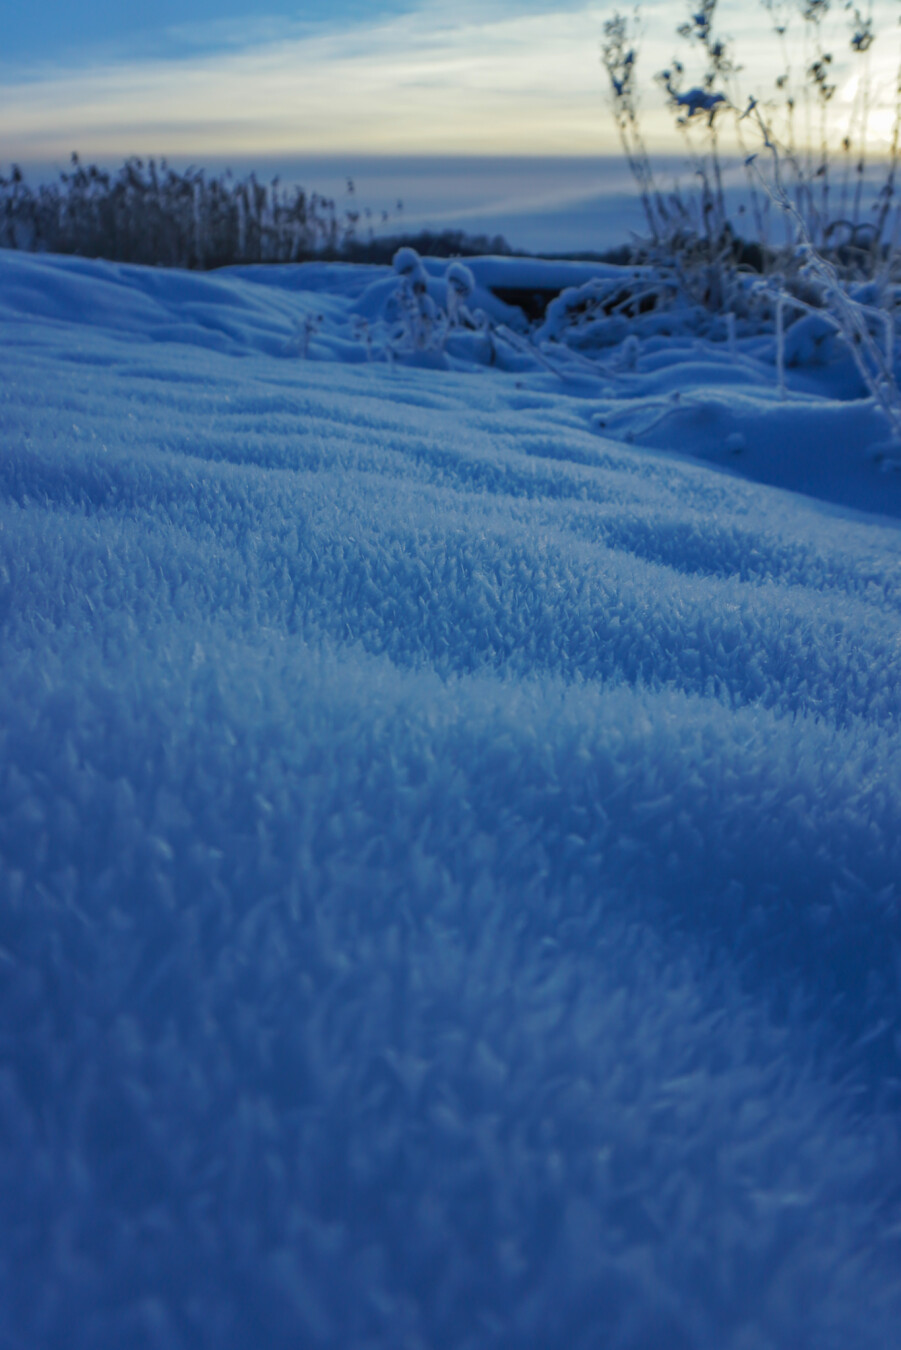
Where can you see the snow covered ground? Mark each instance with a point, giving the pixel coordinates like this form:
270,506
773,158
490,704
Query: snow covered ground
450,834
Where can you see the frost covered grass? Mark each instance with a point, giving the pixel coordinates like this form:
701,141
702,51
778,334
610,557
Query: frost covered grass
150,213
813,243
824,156
449,856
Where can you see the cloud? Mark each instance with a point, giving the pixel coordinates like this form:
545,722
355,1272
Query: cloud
527,83
467,80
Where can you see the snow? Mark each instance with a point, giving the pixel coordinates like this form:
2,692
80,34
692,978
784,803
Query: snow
698,100
449,825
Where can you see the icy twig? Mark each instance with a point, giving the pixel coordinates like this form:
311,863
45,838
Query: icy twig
529,349
780,345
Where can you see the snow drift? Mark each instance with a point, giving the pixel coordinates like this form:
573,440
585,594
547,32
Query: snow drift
449,857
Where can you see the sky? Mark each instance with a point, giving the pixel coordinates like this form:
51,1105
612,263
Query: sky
210,77
296,76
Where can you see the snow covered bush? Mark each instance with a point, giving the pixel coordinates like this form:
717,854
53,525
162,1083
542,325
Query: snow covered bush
427,312
420,323
460,286
824,164
810,249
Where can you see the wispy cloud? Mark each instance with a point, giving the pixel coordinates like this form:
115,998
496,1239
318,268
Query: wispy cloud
470,80
413,83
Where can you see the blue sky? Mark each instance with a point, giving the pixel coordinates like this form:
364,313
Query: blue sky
60,31
201,79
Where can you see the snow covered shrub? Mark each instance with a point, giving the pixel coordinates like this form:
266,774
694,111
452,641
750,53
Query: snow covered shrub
862,314
460,286
694,227
827,185
424,312
420,324
601,313
810,247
